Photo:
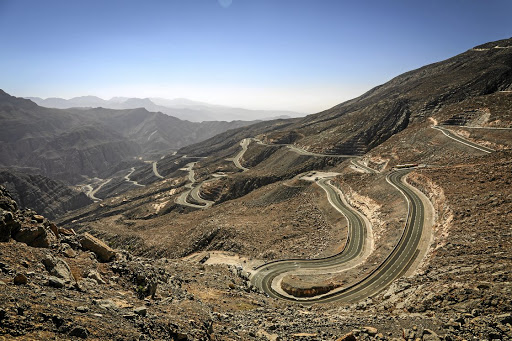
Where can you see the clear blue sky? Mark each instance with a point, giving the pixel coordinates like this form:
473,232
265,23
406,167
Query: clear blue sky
303,55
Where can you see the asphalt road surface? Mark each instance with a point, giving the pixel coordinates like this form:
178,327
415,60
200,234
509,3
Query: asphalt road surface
462,140
155,170
301,151
195,194
265,274
127,178
393,267
193,190
236,160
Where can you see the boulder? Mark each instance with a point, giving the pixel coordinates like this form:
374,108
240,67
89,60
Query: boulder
59,268
372,331
102,250
141,311
20,279
36,236
8,225
56,282
54,229
79,332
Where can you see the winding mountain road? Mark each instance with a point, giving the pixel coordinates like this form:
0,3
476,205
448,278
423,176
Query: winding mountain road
477,127
155,170
182,199
301,151
193,191
395,264
462,140
91,193
236,160
127,178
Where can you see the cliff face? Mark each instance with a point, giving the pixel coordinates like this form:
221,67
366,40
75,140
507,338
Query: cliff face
49,197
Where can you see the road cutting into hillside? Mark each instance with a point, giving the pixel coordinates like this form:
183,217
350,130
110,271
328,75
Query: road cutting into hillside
91,193
155,170
193,190
301,151
462,140
357,243
127,178
195,193
236,160
478,127
394,266
182,199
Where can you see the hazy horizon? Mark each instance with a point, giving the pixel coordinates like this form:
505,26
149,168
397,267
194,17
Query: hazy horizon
296,55
159,101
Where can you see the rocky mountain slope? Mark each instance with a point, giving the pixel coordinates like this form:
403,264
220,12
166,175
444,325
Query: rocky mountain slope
51,198
69,144
356,126
155,132
266,205
58,143
271,161
87,146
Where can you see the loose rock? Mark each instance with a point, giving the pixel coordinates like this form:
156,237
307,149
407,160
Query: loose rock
347,337
141,311
79,332
20,279
372,331
102,250
58,267
56,282
37,236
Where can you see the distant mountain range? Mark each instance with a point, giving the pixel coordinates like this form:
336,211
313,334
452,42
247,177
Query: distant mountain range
181,108
68,144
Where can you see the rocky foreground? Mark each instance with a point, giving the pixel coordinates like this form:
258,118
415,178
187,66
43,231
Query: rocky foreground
56,284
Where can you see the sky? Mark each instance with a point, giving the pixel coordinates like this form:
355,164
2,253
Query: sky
300,55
